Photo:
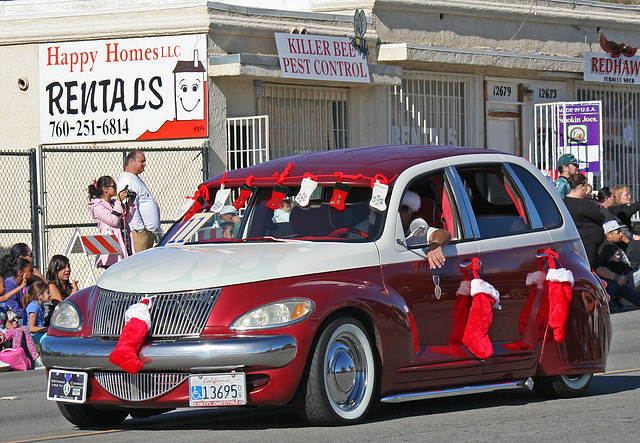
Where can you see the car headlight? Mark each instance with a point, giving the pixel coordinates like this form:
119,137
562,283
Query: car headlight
66,317
275,315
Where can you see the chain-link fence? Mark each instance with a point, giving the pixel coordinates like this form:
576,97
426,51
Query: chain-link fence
17,204
45,194
171,174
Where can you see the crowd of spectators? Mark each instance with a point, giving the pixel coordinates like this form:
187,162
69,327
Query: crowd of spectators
27,299
610,238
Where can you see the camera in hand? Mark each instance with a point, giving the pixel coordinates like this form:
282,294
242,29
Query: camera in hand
130,193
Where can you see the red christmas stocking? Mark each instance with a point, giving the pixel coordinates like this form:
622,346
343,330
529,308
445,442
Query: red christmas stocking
460,315
200,199
543,314
476,332
536,280
245,193
560,295
278,194
340,191
136,329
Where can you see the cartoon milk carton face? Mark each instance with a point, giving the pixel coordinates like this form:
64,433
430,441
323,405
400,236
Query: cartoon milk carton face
190,89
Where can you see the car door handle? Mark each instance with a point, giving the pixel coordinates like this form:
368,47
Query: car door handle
469,264
545,254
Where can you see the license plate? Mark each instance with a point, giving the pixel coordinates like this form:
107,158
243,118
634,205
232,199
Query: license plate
217,389
67,386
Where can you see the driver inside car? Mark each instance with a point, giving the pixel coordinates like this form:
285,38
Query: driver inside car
435,237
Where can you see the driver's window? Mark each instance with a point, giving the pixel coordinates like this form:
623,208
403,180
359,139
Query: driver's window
429,198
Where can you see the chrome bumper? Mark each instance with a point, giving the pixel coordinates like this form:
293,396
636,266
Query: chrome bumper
260,351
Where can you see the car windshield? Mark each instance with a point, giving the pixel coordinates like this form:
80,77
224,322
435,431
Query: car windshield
329,216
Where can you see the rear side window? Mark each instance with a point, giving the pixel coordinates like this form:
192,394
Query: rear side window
497,205
546,207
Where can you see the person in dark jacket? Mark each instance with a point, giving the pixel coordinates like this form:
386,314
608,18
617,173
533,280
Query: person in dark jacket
586,215
613,270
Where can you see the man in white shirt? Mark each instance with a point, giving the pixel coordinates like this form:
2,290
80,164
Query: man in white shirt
146,219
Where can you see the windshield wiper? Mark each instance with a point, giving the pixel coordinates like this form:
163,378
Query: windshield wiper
274,239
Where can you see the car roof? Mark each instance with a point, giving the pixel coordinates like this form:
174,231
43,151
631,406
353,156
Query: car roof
388,161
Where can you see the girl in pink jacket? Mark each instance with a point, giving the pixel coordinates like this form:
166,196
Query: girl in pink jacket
113,216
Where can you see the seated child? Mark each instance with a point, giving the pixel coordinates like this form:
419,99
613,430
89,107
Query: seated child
15,336
33,304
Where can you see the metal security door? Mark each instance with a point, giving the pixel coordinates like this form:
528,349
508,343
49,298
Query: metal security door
568,127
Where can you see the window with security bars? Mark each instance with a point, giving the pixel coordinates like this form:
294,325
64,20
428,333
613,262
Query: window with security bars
305,119
620,132
433,109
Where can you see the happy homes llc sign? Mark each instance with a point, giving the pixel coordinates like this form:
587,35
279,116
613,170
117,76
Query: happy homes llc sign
321,57
124,89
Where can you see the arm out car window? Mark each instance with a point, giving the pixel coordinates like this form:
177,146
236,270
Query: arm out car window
497,205
437,206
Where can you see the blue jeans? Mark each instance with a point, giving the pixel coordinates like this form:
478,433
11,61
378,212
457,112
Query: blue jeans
625,291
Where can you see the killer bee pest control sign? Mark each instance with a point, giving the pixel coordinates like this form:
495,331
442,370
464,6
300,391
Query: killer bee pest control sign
124,89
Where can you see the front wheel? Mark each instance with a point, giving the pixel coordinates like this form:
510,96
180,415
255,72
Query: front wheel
562,386
339,383
85,416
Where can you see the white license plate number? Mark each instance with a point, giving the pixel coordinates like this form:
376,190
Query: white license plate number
217,389
69,386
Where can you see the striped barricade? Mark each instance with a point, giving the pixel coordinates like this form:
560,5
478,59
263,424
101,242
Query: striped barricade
100,244
92,245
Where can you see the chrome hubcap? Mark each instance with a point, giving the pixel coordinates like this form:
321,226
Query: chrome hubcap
346,374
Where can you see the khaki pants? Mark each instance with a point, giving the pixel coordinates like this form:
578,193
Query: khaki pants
142,240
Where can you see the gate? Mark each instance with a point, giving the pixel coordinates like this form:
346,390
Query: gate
18,204
247,141
569,127
65,174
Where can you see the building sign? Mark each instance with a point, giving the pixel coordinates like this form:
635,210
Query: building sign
604,68
579,128
124,89
320,57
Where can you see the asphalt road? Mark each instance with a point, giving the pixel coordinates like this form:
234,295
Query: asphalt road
608,412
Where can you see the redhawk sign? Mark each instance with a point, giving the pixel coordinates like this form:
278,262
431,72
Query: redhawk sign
602,67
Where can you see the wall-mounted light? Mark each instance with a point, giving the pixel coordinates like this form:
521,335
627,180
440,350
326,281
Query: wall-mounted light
23,83
527,92
257,89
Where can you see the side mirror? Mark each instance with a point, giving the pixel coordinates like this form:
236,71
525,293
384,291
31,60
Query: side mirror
417,228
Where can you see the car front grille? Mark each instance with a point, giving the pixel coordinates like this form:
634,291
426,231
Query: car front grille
141,386
173,315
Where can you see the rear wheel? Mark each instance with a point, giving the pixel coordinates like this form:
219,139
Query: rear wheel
85,416
562,386
339,384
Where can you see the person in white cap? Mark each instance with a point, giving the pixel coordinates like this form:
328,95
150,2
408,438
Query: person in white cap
437,238
613,267
229,214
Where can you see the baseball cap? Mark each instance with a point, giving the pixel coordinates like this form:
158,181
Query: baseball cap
611,225
229,209
567,159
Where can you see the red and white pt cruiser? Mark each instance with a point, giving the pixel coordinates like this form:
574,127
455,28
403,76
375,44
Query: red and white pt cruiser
305,280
